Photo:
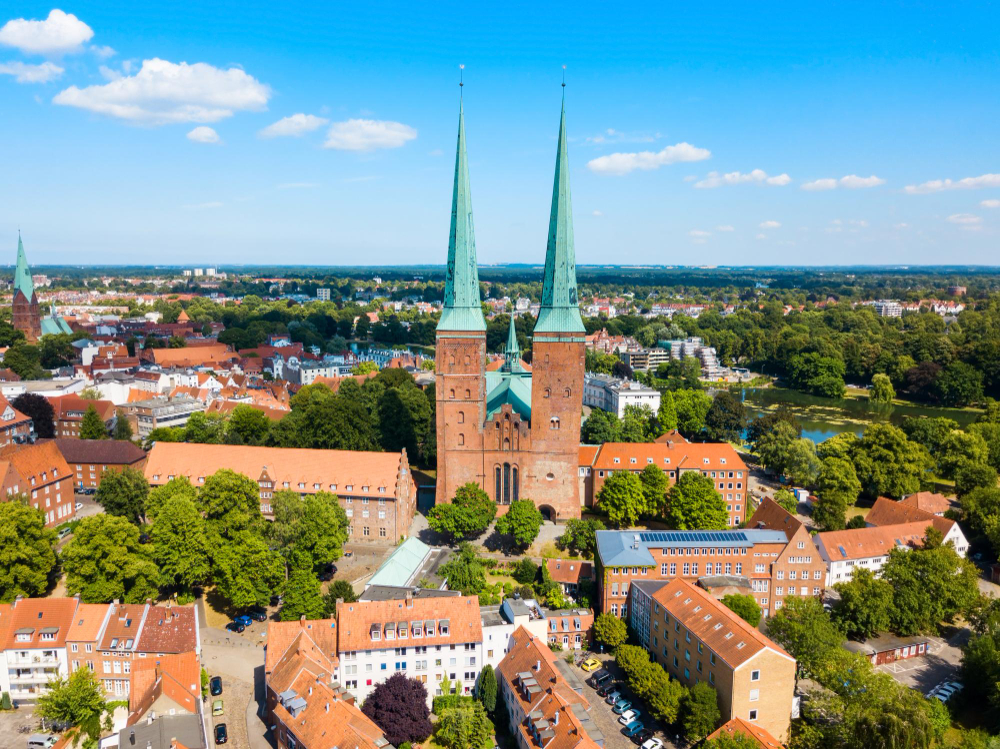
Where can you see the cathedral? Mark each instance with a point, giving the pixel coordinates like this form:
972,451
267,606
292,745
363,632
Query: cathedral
25,315
513,432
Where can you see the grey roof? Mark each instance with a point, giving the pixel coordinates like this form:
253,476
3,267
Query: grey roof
395,593
884,643
649,587
187,729
632,547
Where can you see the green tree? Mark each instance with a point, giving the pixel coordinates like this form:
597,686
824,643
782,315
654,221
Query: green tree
302,597
745,606
882,390
35,406
469,513
887,463
692,409
486,690
580,536
666,415
365,367
80,703
404,419
231,504
92,426
958,449
123,429
700,712
837,488
27,551
245,570
786,500
970,476
180,545
105,561
622,498
726,419
650,682
465,571
774,447
801,462
525,571
124,493
247,426
929,431
338,589
465,726
637,424
654,489
308,532
600,427
610,630
522,521
56,350
696,505
205,429
25,361
959,384
817,374
160,495
734,741
804,629
865,602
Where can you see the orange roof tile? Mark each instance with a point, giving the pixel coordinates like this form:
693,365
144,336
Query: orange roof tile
42,462
876,541
123,627
322,633
702,456
177,677
936,504
774,517
169,629
459,614
87,622
588,453
228,406
569,570
763,739
729,636
889,512
31,618
328,720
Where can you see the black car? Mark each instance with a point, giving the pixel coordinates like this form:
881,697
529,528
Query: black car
221,734
600,678
609,687
642,737
215,686
235,627
258,615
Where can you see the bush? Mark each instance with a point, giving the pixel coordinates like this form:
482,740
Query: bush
525,571
448,701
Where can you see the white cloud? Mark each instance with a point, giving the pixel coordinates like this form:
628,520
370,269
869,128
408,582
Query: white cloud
992,203
202,206
770,224
104,52
109,74
699,233
761,236
597,214
163,92
297,185
617,136
435,152
757,176
368,135
297,124
203,134
60,33
724,227
964,219
25,73
850,182
940,185
900,226
623,163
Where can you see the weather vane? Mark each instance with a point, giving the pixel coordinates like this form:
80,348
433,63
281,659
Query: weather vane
461,75
564,77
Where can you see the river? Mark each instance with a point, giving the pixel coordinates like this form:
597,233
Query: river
824,417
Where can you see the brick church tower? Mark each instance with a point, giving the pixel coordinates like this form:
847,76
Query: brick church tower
25,315
514,432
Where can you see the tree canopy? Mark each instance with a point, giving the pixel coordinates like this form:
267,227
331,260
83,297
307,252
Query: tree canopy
27,551
469,513
105,561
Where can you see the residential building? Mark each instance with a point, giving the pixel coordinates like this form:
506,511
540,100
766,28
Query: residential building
168,687
89,459
514,433
376,490
570,573
34,632
569,629
644,359
43,476
759,736
887,308
161,413
887,512
718,461
696,638
214,356
889,648
164,732
868,548
935,504
614,394
15,427
428,638
544,697
756,556
323,295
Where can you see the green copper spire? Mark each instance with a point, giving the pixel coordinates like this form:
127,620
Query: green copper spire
462,306
560,311
22,273
512,354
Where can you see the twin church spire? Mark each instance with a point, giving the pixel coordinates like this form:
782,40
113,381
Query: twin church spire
559,311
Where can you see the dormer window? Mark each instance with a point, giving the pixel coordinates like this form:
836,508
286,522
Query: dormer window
722,460
705,461
633,461
364,488
617,461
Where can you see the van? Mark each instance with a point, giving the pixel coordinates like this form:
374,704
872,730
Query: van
41,741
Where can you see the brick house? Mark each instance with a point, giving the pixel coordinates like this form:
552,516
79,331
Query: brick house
69,411
888,512
44,476
15,427
569,573
89,459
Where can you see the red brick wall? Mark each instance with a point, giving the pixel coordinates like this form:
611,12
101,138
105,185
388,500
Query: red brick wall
461,397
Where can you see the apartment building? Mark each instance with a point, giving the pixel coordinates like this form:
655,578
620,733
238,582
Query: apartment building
570,574
33,632
718,461
614,394
868,548
544,697
696,638
306,706
888,512
749,559
157,413
644,358
15,427
376,490
40,473
69,410
89,459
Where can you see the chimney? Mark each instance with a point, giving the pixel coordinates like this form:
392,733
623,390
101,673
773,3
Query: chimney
538,665
555,718
409,599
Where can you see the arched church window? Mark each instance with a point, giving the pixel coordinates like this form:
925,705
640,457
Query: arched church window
461,439
451,393
514,487
506,483
461,417
566,393
451,360
468,394
554,422
467,359
496,494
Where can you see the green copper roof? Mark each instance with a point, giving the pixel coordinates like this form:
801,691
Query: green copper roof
22,273
403,564
462,306
52,325
512,353
508,387
560,311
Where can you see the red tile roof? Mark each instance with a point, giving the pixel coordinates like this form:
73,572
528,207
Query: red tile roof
877,541
321,633
684,455
889,512
176,677
569,570
760,736
169,629
936,504
460,614
32,617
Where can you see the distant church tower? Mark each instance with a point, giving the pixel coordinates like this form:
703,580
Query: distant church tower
515,433
25,315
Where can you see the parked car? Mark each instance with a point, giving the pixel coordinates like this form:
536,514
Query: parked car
591,664
621,706
215,686
79,506
243,619
217,708
41,741
633,728
63,532
613,696
600,679
276,600
221,734
258,615
643,736
629,715
608,687
235,627
653,743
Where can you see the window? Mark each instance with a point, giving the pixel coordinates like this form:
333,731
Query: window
753,715
755,676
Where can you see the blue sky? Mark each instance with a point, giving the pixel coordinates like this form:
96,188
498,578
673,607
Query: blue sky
737,134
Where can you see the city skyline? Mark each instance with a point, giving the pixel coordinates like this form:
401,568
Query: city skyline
260,136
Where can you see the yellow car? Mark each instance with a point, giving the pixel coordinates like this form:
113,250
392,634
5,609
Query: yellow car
590,664
217,708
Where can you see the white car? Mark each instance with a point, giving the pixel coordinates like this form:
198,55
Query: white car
653,743
628,716
79,506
